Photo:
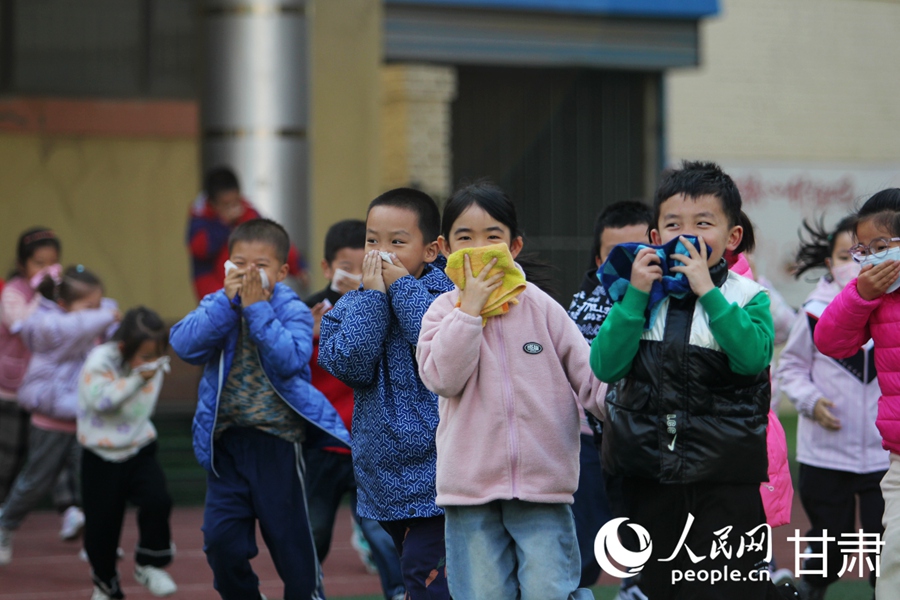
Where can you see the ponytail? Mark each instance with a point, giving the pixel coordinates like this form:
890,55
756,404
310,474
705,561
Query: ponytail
748,240
817,244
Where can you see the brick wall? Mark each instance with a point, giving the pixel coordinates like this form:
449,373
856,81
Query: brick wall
416,127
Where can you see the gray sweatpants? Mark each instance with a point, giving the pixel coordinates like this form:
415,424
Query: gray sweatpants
49,453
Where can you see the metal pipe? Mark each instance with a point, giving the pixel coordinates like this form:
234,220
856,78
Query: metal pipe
254,107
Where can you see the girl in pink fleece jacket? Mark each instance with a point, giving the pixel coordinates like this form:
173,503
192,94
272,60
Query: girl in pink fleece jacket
868,307
508,437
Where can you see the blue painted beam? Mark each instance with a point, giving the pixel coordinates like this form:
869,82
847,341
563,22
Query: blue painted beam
671,9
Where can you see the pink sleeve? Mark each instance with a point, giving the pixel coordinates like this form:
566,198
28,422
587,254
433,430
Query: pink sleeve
449,347
844,326
14,307
575,357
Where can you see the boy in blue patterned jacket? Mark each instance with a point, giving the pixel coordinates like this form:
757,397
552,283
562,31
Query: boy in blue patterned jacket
256,407
368,341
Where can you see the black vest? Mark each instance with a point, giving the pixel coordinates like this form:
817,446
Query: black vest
681,415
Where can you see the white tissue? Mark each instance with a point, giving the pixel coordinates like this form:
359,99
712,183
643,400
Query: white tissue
342,275
230,266
386,256
161,363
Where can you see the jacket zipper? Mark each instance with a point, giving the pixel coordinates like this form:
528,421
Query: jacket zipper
212,434
300,414
510,413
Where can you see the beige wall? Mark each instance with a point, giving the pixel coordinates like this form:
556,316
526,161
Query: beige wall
799,80
345,97
118,205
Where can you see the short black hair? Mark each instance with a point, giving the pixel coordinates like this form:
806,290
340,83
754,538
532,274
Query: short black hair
262,230
695,179
419,203
349,233
218,180
884,209
139,325
618,215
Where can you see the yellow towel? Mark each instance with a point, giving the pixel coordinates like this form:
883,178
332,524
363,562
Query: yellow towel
513,280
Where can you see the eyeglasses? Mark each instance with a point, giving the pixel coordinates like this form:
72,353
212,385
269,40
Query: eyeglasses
877,248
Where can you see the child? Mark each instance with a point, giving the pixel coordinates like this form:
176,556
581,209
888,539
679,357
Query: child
329,471
686,422
255,407
866,308
508,434
368,342
117,394
596,500
838,445
214,215
70,319
37,249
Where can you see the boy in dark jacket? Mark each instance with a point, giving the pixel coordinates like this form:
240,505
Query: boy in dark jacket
368,341
598,497
686,422
329,470
255,409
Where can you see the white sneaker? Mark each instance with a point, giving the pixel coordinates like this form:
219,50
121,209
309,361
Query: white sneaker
72,524
157,581
6,537
100,594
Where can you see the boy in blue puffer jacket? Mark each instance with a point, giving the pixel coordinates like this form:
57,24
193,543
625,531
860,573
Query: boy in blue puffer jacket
368,341
256,407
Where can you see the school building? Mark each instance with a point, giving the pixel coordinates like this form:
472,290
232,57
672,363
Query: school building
110,109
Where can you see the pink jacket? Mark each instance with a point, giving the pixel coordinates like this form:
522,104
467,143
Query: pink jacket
17,302
777,493
846,325
508,400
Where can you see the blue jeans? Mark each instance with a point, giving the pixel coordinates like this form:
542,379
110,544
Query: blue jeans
510,549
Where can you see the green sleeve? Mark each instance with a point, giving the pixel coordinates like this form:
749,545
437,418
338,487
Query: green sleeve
617,341
746,334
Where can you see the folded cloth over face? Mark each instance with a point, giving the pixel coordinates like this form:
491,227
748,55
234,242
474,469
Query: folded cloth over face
512,285
615,273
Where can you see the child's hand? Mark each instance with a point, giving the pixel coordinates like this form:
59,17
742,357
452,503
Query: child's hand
825,417
478,289
233,282
252,289
695,267
373,278
317,311
392,272
645,270
875,280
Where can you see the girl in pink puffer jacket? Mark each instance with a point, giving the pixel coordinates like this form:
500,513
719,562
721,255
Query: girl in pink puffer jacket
838,446
868,308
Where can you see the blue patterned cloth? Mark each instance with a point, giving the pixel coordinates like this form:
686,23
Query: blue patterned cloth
368,341
615,273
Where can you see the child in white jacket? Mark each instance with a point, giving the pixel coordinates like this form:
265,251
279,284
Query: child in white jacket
509,372
117,394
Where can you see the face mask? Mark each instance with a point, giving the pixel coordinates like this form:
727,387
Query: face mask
341,275
891,254
845,273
